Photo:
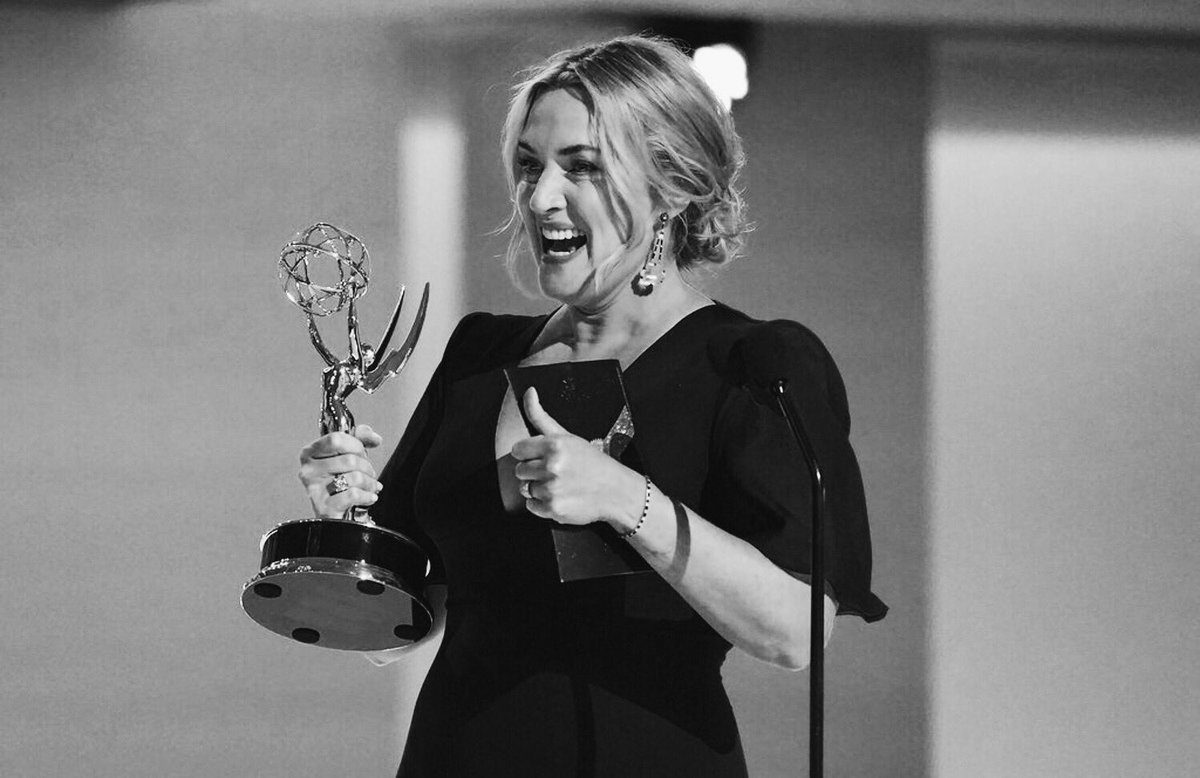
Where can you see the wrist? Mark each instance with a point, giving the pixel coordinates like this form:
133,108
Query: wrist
643,510
626,506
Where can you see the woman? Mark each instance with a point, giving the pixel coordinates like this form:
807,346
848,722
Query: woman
623,178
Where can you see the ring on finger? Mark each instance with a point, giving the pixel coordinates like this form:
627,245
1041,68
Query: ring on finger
338,485
527,490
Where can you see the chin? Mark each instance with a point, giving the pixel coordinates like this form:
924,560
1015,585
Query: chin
562,282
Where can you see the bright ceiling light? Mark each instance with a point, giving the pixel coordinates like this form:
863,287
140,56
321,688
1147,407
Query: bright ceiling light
724,68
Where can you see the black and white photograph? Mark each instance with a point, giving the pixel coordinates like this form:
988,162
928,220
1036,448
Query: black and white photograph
621,389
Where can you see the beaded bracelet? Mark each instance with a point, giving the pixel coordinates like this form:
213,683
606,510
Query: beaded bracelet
645,511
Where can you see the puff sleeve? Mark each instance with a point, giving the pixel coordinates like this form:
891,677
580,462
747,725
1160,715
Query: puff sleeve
395,508
759,484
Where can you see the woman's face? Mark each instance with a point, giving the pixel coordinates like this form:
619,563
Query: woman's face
566,208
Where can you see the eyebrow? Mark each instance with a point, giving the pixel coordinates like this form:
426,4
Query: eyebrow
564,151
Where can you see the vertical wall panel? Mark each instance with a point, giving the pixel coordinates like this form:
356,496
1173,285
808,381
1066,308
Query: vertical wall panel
1065,183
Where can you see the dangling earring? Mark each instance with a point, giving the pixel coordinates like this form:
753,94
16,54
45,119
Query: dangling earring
652,272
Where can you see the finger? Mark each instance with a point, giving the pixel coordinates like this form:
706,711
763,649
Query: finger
331,445
369,437
320,470
532,470
543,422
337,505
527,449
346,463
538,508
321,491
340,482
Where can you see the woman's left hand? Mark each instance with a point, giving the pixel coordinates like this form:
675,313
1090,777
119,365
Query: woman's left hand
567,479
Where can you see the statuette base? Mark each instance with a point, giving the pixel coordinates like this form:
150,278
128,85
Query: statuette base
340,584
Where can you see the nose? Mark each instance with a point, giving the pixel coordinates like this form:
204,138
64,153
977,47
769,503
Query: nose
547,195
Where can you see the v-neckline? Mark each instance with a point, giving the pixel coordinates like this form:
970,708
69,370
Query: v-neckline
537,331
527,343
668,333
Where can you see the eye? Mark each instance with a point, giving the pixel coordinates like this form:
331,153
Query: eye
528,170
583,168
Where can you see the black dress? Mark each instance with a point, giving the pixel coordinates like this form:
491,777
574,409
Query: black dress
615,676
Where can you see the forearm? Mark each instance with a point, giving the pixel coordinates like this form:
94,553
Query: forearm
744,596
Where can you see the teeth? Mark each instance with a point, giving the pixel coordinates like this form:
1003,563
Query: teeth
549,234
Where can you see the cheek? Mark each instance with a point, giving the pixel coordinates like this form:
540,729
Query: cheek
603,208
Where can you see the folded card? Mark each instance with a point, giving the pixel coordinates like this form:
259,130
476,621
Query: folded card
588,400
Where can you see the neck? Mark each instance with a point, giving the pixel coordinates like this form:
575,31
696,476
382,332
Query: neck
627,317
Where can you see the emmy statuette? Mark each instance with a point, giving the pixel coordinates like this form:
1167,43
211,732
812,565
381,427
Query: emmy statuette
344,583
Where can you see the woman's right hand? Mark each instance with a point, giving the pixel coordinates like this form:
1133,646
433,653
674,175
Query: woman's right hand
345,454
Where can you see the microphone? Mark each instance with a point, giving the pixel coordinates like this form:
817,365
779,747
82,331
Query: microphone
756,361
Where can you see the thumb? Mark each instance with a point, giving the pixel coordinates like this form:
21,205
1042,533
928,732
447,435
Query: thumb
369,437
542,421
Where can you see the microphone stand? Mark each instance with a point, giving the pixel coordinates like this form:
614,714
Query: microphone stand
816,668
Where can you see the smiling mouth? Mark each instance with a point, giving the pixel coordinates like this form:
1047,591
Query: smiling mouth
560,244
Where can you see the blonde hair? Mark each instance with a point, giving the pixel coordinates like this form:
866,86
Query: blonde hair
656,122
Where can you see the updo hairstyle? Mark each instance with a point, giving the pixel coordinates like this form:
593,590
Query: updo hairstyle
654,119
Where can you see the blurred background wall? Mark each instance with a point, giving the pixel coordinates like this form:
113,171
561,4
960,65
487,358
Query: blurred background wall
989,218
1065,421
